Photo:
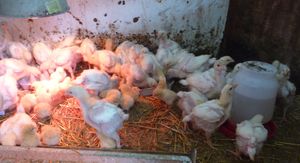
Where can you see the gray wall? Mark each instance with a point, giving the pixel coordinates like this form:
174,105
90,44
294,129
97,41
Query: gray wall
264,30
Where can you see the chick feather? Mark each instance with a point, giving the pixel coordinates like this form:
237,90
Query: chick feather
251,135
50,135
106,118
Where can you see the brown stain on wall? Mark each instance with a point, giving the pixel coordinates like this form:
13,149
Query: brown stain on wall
265,30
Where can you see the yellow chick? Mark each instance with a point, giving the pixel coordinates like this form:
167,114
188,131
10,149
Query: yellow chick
112,96
109,44
29,136
162,92
43,111
129,95
50,135
28,101
130,90
9,139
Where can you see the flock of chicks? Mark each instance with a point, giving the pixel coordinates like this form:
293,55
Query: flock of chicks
37,80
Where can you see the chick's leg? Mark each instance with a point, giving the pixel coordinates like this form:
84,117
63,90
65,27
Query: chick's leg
70,70
288,104
116,137
208,140
236,153
284,118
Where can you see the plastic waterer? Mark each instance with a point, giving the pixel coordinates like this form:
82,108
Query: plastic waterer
256,91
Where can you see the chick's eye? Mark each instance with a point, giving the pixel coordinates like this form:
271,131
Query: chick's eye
218,65
230,88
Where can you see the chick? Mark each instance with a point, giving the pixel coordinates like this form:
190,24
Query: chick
250,136
58,75
230,75
188,100
19,51
162,92
211,81
9,92
43,111
41,52
210,115
106,118
112,96
129,95
106,142
287,90
28,101
9,139
87,47
132,91
95,81
109,44
50,135
11,130
29,136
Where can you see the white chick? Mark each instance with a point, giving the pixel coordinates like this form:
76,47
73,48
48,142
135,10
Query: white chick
18,69
5,40
28,101
19,51
123,51
106,142
149,64
167,51
9,93
209,82
209,115
58,75
250,136
67,58
45,89
87,48
95,80
129,95
230,75
41,52
2,69
287,90
42,94
188,100
66,83
68,42
106,118
29,136
186,64
162,92
104,59
50,135
134,75
43,111
112,96
11,129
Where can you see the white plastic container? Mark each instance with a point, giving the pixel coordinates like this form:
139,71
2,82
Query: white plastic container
256,91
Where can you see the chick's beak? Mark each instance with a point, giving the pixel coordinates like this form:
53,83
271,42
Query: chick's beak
234,85
231,60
